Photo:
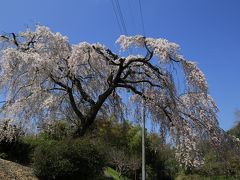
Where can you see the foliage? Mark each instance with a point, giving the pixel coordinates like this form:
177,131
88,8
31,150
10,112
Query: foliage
56,155
198,177
80,158
57,130
124,154
111,131
235,131
160,158
9,132
12,146
109,172
224,161
18,151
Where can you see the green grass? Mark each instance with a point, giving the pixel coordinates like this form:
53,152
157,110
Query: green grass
197,177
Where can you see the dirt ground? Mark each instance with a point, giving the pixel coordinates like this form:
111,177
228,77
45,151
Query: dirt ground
14,171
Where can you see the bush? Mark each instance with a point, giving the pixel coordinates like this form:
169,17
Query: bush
113,174
57,130
12,146
9,132
69,159
18,151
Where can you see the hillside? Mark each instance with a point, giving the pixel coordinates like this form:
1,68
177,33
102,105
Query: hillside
11,170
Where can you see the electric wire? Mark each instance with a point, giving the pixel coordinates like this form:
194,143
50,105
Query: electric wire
116,15
121,18
141,14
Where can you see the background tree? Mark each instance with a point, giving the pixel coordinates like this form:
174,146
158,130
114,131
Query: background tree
235,131
44,76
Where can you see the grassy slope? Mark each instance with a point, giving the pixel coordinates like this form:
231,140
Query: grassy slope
11,170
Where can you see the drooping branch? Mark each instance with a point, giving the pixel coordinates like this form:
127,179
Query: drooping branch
141,81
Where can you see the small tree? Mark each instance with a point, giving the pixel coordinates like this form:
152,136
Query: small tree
9,132
46,76
235,131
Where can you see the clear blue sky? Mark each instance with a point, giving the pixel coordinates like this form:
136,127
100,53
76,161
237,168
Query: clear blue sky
207,30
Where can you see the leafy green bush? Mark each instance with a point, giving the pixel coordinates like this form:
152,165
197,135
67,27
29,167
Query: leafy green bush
57,130
69,159
198,177
12,147
18,151
160,158
113,174
224,161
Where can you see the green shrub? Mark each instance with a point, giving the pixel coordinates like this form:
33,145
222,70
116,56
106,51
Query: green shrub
162,162
57,130
12,147
18,151
3,156
113,174
69,159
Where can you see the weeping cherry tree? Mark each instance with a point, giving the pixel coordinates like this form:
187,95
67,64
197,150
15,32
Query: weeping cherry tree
44,77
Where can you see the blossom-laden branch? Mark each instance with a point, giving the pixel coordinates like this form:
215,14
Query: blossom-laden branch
47,76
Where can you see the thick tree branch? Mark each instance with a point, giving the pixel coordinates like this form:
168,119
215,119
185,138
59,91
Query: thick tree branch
110,59
133,89
75,108
59,83
15,40
83,93
141,81
58,89
72,100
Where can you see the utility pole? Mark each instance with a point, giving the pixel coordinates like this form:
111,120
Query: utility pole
143,136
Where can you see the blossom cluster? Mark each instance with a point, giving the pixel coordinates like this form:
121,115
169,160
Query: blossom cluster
9,132
195,77
162,48
187,153
126,42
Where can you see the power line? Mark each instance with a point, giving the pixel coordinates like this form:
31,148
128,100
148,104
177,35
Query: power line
119,16
116,15
131,15
122,27
141,14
